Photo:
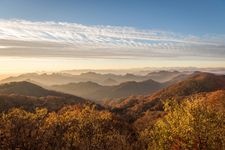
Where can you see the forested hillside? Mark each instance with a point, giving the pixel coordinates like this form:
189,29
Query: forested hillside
189,114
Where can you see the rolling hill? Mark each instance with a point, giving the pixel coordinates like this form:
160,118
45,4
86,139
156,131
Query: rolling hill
137,106
83,89
95,91
29,96
27,89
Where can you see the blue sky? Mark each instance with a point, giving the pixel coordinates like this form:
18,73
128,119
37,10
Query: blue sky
38,35
196,17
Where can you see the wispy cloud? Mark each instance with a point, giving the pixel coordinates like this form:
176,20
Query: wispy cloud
60,39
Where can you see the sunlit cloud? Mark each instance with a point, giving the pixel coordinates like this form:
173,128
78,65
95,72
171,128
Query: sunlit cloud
59,39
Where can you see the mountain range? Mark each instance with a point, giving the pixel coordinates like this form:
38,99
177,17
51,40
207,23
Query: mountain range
102,79
95,91
137,108
147,104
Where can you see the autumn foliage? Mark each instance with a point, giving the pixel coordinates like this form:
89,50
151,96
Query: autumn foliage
70,128
191,124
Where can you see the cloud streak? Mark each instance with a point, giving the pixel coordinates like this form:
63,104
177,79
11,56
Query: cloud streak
59,39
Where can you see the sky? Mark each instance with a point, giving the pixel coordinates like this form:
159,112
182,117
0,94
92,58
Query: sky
52,35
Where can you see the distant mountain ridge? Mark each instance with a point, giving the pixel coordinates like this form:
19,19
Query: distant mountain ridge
102,79
163,76
109,81
95,91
